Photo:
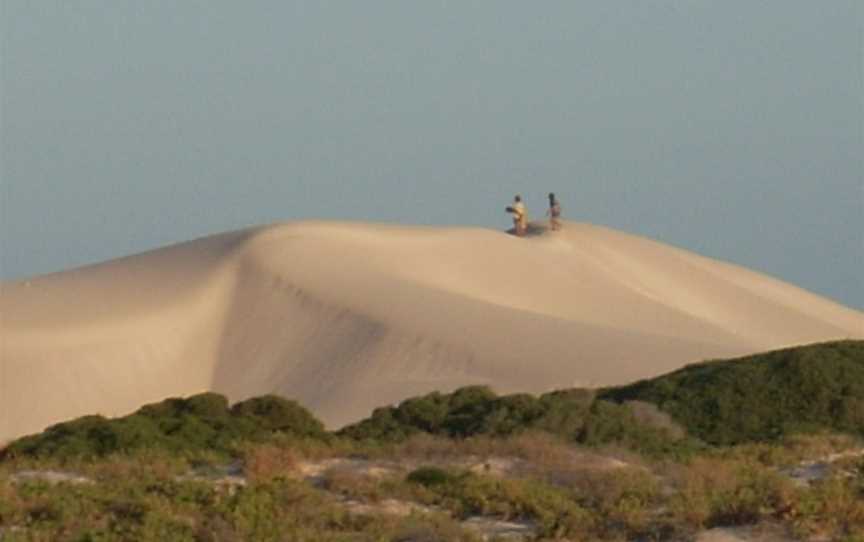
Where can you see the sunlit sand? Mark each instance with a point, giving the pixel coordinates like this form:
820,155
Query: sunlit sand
345,317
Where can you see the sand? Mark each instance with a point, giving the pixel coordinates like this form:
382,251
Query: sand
345,317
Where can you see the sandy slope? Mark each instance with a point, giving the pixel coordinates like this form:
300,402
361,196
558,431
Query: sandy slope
346,317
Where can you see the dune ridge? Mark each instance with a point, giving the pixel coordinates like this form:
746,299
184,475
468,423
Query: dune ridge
345,317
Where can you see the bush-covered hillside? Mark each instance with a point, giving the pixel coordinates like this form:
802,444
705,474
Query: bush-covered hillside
573,414
762,397
201,422
818,387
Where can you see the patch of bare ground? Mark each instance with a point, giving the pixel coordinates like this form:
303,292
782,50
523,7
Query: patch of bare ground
487,528
495,529
230,475
355,484
393,507
842,464
49,476
533,455
360,483
527,454
318,472
750,533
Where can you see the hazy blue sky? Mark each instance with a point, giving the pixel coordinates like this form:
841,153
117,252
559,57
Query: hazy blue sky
733,128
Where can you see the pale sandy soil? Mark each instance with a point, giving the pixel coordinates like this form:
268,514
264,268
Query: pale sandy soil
346,317
756,533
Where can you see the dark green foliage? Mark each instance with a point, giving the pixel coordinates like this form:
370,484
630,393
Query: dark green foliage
207,405
565,411
278,414
765,396
200,422
762,397
80,436
476,410
609,422
454,414
428,476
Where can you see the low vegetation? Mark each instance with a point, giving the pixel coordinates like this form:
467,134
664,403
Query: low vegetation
762,397
427,488
201,422
575,415
771,440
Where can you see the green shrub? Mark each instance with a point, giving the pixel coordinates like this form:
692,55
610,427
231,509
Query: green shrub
207,405
565,411
469,411
762,397
275,413
624,500
199,423
611,423
135,507
572,414
467,494
428,476
714,492
832,508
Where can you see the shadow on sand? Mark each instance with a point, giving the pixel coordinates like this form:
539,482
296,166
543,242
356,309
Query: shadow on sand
534,229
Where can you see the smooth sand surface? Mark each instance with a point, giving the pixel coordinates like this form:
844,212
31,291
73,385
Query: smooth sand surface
345,317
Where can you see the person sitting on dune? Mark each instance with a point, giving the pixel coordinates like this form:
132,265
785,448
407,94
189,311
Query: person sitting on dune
554,213
520,216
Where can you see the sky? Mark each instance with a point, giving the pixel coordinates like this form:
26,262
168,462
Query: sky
731,128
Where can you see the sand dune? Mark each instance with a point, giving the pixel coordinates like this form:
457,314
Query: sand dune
345,317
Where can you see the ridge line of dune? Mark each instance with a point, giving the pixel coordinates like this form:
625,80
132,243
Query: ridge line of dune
345,317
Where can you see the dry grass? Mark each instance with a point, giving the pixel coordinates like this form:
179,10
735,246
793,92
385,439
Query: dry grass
267,461
530,445
627,498
157,465
794,449
649,415
832,508
711,491
355,483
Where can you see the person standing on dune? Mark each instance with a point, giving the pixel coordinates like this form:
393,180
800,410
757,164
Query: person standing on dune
554,213
520,216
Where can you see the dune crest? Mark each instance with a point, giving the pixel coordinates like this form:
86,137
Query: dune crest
345,317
